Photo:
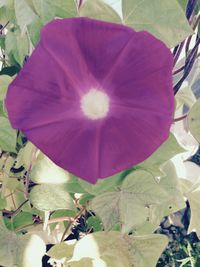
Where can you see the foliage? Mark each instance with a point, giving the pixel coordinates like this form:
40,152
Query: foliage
20,250
157,17
193,120
117,217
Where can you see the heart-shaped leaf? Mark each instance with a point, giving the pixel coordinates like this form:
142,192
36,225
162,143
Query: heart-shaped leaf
130,204
20,250
164,19
50,197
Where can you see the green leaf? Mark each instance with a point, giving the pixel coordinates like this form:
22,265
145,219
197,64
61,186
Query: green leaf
73,186
2,203
16,195
147,249
11,71
106,206
8,136
24,14
197,7
192,193
163,18
85,198
2,38
4,82
97,9
185,185
130,204
185,96
94,223
59,214
17,46
50,197
22,219
114,250
5,175
84,262
25,156
2,163
139,192
3,19
44,9
2,110
61,251
102,185
63,213
194,201
116,5
183,4
106,248
166,151
3,3
29,256
20,250
46,172
7,12
174,202
34,31
171,184
65,9
12,184
194,121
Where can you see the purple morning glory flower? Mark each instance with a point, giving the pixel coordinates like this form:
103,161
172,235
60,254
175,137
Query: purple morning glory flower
95,97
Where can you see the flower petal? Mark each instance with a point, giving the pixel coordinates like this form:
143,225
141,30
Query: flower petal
133,70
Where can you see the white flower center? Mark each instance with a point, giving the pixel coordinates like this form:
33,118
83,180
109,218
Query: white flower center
95,104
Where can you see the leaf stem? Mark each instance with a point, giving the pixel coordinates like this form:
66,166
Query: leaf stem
61,219
83,209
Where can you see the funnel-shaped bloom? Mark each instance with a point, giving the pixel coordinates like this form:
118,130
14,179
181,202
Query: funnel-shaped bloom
95,97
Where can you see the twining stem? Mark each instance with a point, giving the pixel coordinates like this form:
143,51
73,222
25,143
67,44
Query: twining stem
178,52
192,55
187,43
17,210
27,179
191,5
80,3
178,70
1,30
181,118
83,209
27,226
188,65
55,220
183,67
190,37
